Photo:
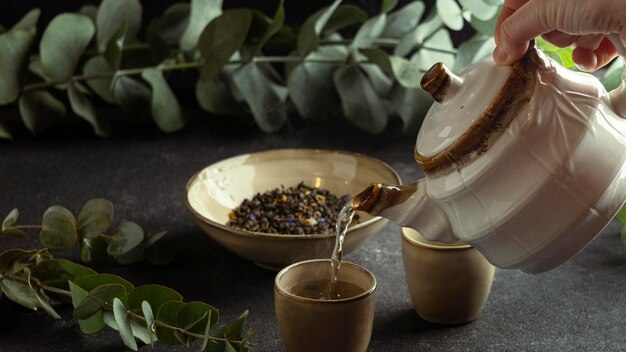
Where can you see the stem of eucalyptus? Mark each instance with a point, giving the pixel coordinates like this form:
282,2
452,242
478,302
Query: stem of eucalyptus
108,306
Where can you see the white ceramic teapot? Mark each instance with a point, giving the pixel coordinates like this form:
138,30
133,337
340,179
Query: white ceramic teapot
525,163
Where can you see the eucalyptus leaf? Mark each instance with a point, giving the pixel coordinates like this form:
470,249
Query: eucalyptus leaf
95,218
412,106
155,295
82,106
344,16
406,73
90,11
369,32
202,13
92,281
487,27
166,111
11,256
437,48
228,347
167,314
193,316
388,5
101,72
480,9
402,21
28,22
43,302
235,329
93,324
34,66
612,79
39,110
14,48
126,237
380,81
473,50
173,23
133,96
93,250
113,51
140,332
5,131
63,43
308,37
146,309
311,87
450,13
265,103
10,219
207,333
214,96
58,229
359,101
111,15
123,324
274,27
221,39
59,271
19,293
96,300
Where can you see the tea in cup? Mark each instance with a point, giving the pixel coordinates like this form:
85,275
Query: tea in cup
315,313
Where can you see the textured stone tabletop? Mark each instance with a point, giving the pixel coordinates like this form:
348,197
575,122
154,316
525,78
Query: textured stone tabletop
580,306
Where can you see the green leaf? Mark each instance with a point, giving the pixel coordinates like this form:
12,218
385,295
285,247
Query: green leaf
344,16
20,293
39,110
155,295
266,104
63,43
14,49
561,55
379,80
167,314
93,250
274,27
621,215
113,51
111,14
88,326
207,333
59,271
308,37
166,111
82,106
133,96
402,21
202,13
168,29
369,32
98,67
5,132
123,324
406,73
126,237
214,96
359,101
153,238
10,256
228,347
90,11
388,5
150,323
450,13
311,87
11,219
95,218
487,27
92,281
96,299
29,21
473,50
412,106
479,9
221,39
58,229
437,48
234,330
193,316
612,79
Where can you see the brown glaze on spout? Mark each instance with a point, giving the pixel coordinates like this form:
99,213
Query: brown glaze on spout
379,196
515,93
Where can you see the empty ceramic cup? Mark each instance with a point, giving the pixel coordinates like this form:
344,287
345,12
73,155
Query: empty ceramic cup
448,283
309,320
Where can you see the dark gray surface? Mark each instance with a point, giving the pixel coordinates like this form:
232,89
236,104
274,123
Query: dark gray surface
580,306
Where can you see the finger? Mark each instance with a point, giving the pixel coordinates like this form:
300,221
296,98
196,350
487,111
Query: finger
591,60
560,39
509,7
590,42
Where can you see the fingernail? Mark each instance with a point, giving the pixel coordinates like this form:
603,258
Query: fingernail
500,55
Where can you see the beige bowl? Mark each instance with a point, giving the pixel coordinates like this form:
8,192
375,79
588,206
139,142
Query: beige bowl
214,191
448,283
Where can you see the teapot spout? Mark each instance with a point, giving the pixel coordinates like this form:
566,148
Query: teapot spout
407,205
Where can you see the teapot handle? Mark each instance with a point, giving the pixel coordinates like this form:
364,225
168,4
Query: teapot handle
618,95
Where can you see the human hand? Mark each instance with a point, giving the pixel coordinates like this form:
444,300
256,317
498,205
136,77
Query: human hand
583,24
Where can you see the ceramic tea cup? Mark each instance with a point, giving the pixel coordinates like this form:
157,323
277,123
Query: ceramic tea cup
449,283
314,324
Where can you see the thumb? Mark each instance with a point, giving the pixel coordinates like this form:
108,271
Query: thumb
576,17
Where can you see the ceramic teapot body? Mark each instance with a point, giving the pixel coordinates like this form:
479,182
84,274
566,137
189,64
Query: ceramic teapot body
524,163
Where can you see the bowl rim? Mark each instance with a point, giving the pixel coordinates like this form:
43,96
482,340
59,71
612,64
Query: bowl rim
286,236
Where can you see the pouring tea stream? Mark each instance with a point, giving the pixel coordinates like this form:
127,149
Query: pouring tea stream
525,163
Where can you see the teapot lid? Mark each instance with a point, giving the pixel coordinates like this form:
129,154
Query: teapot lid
471,110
